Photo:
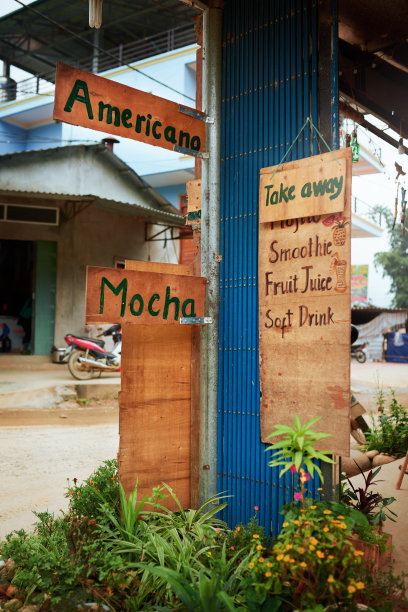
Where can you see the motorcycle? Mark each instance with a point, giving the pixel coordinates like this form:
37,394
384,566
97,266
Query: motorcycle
87,356
357,351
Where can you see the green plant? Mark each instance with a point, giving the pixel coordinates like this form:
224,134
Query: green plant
371,503
390,434
204,588
85,500
312,563
296,447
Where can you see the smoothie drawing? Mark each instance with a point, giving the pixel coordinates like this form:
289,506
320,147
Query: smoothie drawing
340,267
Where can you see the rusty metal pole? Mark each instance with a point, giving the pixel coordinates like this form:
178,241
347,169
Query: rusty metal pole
210,251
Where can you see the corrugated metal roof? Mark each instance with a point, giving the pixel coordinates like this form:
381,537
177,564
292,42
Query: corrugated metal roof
78,172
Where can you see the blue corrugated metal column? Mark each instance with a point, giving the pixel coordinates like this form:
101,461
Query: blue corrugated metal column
270,86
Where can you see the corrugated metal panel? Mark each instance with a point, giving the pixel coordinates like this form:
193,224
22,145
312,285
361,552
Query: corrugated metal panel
269,89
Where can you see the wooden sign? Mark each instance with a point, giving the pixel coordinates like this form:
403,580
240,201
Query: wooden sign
100,104
303,188
193,202
304,320
159,380
119,296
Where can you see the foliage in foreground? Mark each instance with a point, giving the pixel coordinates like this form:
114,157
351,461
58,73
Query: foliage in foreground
130,554
390,434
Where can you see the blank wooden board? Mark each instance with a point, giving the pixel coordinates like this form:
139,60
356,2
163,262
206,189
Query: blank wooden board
155,419
158,267
304,322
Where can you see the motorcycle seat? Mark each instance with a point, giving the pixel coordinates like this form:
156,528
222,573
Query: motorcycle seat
98,341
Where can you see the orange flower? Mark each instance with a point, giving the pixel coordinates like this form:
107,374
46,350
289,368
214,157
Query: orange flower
269,564
311,547
279,557
302,550
358,553
330,579
251,565
326,511
268,574
255,536
71,492
91,482
351,589
320,554
285,524
261,559
259,547
325,529
313,507
360,585
256,508
303,564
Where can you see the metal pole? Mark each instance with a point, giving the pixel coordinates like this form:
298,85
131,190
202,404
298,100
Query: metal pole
210,248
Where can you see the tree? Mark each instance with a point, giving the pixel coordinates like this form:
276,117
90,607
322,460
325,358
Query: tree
394,263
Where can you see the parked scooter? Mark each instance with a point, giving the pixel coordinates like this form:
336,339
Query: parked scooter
357,351
87,356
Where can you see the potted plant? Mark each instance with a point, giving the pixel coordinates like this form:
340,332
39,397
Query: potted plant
375,543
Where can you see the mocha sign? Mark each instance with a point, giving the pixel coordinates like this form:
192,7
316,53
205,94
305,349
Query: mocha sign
94,102
129,296
303,188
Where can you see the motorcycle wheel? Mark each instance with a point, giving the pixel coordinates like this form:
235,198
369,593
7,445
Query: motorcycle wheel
361,356
77,369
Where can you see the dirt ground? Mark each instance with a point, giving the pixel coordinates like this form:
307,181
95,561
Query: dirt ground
39,450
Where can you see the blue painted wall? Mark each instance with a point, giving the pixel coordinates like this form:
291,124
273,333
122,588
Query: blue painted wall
269,78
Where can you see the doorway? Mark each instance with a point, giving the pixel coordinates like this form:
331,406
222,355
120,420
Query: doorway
28,272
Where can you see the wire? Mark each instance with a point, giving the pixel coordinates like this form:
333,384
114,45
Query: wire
88,42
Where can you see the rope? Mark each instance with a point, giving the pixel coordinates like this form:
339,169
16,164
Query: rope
312,125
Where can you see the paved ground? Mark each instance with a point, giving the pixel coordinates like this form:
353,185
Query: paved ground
40,447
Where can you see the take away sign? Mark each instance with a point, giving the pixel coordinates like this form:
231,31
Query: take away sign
97,103
303,188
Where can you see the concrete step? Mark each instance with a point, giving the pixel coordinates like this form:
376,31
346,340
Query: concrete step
14,361
56,395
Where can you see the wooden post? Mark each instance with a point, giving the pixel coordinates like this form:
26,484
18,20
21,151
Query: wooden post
403,470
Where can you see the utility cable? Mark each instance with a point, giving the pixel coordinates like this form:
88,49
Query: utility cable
89,43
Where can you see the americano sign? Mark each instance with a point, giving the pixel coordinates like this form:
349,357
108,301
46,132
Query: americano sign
100,104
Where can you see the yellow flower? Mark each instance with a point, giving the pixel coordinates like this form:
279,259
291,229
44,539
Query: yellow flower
314,541
358,553
303,564
259,547
255,536
330,557
269,564
311,547
286,558
291,560
301,550
268,574
313,507
261,559
285,524
343,525
297,522
340,516
360,585
251,565
351,589
279,557
326,529
289,546
326,511
330,579
320,554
